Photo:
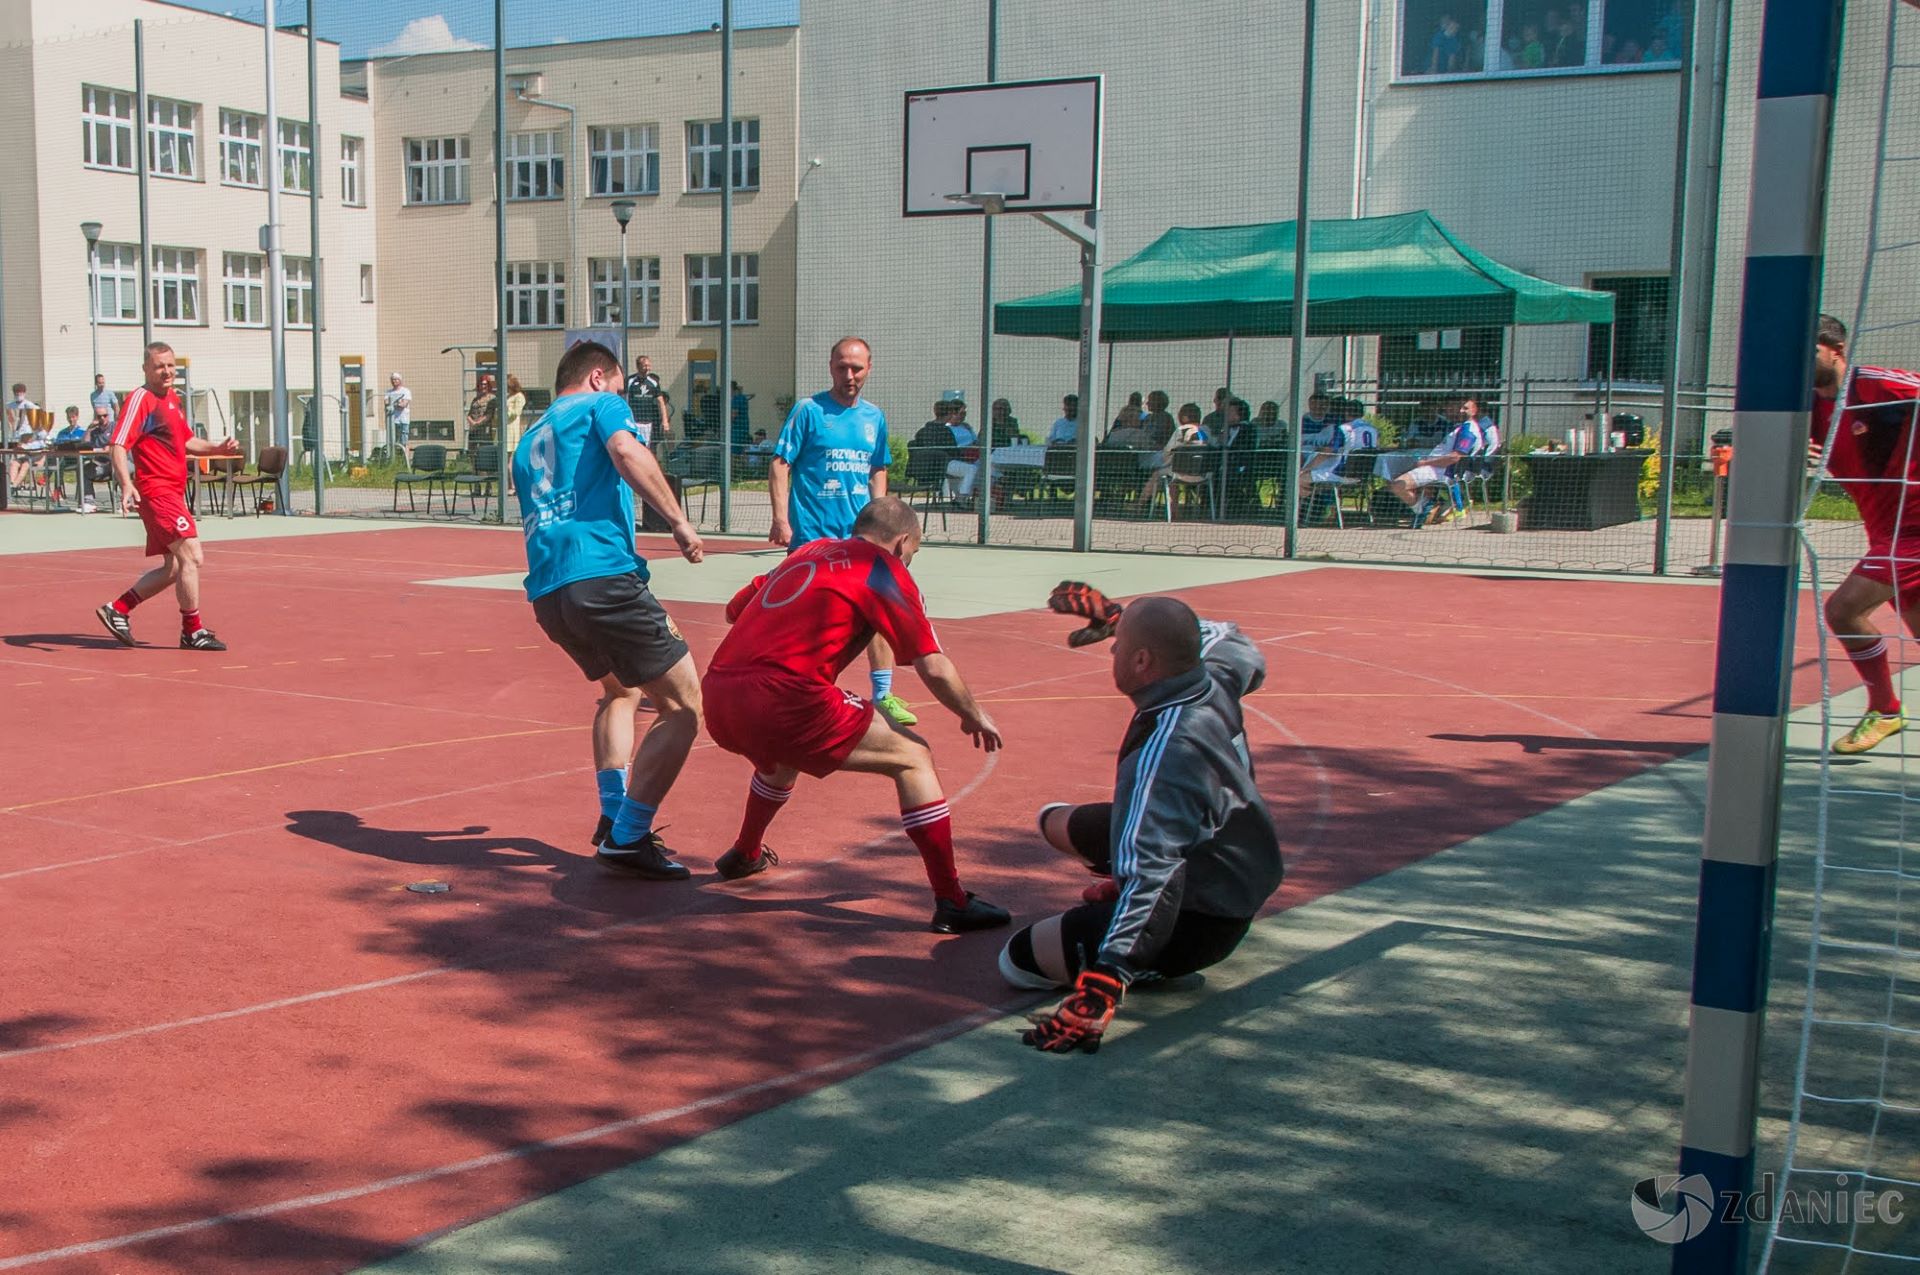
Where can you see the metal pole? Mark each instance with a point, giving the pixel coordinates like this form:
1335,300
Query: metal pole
315,416
276,269
1606,404
983,482
140,159
500,253
1090,408
1302,232
726,266
93,303
1676,296
1753,666
626,290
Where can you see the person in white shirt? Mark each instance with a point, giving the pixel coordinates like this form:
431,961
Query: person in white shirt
1066,430
20,409
399,415
961,473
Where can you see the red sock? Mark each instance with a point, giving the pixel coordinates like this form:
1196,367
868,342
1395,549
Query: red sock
1875,669
190,622
763,803
127,601
931,828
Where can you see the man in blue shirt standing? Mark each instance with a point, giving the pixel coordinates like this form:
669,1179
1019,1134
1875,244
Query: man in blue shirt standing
576,470
830,460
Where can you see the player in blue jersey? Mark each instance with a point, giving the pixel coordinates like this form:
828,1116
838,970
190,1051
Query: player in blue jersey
830,460
573,470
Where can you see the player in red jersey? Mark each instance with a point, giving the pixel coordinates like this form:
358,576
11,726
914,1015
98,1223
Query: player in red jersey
152,431
1873,457
771,697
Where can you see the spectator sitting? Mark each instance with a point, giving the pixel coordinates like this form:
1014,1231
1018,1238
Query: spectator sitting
936,432
1187,432
1215,419
1066,430
1315,426
758,454
1242,440
73,432
1134,404
964,435
1427,428
1443,56
1126,432
1006,426
1269,429
1157,421
1435,468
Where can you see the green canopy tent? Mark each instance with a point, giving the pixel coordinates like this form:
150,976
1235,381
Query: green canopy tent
1374,275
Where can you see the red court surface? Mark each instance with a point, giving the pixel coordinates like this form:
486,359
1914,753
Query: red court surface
231,1040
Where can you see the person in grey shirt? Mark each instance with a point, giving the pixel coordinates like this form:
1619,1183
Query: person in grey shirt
1187,845
102,397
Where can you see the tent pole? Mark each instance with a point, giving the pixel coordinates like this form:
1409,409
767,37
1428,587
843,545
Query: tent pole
1108,396
1229,361
1290,478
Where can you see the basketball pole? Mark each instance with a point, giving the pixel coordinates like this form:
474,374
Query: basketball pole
983,487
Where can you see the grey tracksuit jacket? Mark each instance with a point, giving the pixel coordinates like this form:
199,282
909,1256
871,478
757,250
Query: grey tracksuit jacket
1190,829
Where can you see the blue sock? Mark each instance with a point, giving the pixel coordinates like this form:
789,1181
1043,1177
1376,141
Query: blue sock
633,822
613,787
882,682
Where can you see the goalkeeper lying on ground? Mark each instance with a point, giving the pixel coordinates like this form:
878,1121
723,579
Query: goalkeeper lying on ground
1187,844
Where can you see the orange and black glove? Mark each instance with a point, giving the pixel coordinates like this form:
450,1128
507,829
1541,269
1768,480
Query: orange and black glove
1072,597
1082,1018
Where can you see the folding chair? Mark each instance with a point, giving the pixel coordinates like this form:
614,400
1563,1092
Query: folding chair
429,466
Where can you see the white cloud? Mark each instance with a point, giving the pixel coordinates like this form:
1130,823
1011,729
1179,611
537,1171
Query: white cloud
424,35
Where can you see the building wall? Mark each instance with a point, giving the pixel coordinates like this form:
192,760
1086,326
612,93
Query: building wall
212,62
436,262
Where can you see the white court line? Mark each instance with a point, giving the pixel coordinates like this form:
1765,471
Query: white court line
845,1063
1282,637
1323,802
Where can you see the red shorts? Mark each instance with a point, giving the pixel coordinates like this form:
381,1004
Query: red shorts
1895,564
167,519
776,719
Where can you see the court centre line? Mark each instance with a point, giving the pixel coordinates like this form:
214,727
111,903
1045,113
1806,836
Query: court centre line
846,1063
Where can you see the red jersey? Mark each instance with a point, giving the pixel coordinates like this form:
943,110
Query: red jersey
1874,457
154,431
821,607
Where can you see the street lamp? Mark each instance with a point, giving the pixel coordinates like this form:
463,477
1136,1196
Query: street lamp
623,213
91,229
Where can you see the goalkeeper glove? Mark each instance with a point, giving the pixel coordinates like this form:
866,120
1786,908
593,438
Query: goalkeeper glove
1081,1019
1072,597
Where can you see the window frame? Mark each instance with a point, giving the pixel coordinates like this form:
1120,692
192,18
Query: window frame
353,171
176,279
1494,50
238,145
366,283
746,287
643,287
185,138
537,289
119,264
708,149
436,170
250,285
603,157
295,159
102,121
1596,360
296,291
536,167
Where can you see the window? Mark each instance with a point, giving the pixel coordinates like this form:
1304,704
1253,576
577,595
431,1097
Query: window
352,193
643,291
536,294
536,166
1639,330
703,154
703,288
624,160
296,157
366,284
246,290
172,138
176,285
118,278
240,151
1521,37
299,291
106,123
436,170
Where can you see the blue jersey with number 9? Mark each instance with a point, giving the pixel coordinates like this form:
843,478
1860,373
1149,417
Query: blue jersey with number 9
575,510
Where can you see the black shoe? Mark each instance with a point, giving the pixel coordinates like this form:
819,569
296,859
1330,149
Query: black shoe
733,864
602,831
646,857
201,640
978,914
116,624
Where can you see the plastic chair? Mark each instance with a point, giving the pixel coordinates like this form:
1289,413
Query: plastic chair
272,464
429,466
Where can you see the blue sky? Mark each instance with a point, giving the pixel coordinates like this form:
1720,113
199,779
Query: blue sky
410,26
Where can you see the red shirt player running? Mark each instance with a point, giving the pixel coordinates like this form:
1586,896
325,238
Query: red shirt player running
771,698
1873,457
153,432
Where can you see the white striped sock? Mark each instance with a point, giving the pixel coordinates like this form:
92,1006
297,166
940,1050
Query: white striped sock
767,792
924,815
1877,649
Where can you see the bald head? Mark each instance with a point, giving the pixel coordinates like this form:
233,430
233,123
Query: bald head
1156,638
889,522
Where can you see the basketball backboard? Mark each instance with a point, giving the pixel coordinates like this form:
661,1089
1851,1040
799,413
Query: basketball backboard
1036,143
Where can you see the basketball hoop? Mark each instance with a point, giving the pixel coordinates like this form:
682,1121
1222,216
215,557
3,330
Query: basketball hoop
990,202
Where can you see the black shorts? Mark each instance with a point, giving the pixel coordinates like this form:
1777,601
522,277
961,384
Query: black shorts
1058,948
612,624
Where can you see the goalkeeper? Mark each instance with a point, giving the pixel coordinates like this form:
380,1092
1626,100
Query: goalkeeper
1187,844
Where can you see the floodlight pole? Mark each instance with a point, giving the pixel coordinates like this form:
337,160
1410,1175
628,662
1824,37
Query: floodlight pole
623,213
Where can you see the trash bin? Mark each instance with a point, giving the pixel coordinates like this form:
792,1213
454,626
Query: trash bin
1633,429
